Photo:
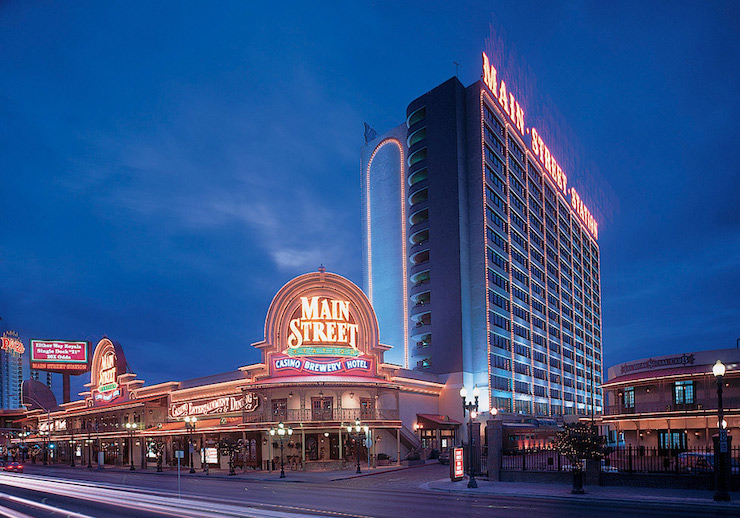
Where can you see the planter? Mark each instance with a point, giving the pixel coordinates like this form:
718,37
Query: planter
578,483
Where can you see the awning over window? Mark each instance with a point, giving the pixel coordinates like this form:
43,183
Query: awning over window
436,421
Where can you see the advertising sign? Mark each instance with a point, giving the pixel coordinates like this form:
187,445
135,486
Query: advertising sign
288,366
62,356
215,406
211,456
11,343
457,466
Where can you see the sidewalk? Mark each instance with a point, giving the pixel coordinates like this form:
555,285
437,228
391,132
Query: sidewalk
644,495
311,477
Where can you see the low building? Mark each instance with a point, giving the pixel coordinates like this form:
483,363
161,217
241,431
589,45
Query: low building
670,402
322,369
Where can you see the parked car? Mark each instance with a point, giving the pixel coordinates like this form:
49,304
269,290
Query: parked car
444,457
700,462
13,467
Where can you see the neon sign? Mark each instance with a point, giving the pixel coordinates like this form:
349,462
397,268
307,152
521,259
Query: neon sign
107,376
12,343
511,107
221,405
324,328
286,365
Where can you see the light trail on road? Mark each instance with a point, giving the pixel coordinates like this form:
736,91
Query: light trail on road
163,504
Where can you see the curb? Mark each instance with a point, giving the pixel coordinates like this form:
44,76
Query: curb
652,501
403,468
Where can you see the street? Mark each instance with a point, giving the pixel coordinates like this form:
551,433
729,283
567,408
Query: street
114,493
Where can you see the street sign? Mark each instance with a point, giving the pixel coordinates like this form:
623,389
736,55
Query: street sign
457,469
179,454
723,435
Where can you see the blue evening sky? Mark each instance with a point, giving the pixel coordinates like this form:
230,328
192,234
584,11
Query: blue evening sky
165,167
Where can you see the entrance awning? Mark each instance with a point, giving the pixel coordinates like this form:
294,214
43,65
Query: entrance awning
205,425
437,421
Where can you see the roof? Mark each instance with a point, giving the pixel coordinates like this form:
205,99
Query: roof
320,379
202,424
443,420
691,370
132,402
215,378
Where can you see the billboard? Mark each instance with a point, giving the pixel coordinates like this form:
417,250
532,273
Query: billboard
61,356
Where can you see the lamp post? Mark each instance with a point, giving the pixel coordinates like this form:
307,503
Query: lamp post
472,409
281,431
190,425
358,428
131,428
44,435
721,447
72,449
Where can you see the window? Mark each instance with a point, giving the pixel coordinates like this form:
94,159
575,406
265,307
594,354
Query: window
629,397
280,409
367,408
683,393
672,440
321,408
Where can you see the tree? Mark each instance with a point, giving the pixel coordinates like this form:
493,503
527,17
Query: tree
158,446
230,447
577,442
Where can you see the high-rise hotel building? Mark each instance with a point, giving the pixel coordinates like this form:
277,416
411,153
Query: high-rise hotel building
481,261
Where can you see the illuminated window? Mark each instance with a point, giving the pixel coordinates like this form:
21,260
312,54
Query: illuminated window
279,409
683,392
673,441
629,397
417,156
418,115
417,136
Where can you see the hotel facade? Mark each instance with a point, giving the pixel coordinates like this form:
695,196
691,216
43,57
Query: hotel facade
481,260
670,402
322,370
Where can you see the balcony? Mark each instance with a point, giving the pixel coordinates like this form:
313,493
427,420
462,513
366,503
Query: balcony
300,415
705,406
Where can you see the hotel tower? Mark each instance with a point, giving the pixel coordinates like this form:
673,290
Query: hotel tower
481,260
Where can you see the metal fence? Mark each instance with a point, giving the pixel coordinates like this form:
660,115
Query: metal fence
641,459
534,460
629,459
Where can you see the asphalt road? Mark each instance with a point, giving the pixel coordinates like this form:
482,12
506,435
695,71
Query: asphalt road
390,495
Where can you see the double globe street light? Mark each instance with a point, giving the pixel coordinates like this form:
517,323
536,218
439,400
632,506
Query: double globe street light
190,426
131,428
721,443
472,409
358,428
281,431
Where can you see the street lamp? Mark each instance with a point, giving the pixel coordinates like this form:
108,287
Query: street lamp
358,428
472,409
721,447
131,427
72,449
190,425
44,435
281,431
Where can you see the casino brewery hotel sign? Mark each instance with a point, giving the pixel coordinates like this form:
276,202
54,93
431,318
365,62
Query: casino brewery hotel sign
321,324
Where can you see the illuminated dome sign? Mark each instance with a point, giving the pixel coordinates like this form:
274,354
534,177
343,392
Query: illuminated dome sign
110,379
321,324
324,328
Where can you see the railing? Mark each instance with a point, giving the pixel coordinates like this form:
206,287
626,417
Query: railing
641,459
709,404
346,415
534,460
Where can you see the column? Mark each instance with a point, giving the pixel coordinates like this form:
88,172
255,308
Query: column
340,444
303,445
398,444
494,431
